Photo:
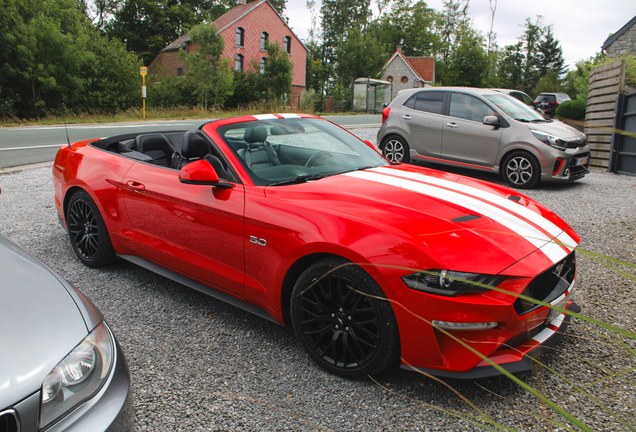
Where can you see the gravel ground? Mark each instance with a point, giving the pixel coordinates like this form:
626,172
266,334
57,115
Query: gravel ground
198,364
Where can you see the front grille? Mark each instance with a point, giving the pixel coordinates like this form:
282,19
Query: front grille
9,421
549,285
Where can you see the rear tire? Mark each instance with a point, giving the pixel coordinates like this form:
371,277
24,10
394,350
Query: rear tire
87,231
343,320
395,149
521,170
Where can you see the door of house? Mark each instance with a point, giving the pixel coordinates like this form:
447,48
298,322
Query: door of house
623,152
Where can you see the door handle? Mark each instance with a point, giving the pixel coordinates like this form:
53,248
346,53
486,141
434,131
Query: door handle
136,186
453,125
407,117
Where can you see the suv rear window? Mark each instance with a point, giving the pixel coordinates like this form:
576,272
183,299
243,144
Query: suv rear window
427,101
546,98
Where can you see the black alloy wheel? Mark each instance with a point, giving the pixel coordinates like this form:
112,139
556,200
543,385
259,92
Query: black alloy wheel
343,319
521,170
87,231
395,149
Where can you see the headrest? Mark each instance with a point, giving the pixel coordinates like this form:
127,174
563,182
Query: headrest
194,146
257,134
149,142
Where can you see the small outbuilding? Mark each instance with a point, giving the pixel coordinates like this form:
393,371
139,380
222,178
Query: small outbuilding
370,95
408,71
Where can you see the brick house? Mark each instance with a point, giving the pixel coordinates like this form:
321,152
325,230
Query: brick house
623,41
245,29
408,72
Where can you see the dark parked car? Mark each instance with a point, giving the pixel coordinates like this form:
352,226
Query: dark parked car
549,102
60,365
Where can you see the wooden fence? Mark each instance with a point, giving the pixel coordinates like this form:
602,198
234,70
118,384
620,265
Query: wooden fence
605,83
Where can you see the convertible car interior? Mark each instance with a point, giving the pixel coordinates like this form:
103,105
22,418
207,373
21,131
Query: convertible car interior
269,153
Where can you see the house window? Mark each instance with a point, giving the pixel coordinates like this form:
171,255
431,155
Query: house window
238,62
389,79
262,65
264,37
287,44
179,71
239,40
404,79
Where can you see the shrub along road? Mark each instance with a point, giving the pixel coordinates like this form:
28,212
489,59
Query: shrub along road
198,364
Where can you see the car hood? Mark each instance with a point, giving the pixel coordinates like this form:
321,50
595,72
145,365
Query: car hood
558,129
40,323
462,223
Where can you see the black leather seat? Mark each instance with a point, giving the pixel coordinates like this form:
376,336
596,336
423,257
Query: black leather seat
194,147
258,154
157,147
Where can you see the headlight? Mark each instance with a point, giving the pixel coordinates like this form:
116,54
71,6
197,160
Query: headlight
79,376
450,283
550,140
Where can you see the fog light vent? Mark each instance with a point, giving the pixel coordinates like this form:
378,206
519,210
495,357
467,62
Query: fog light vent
447,325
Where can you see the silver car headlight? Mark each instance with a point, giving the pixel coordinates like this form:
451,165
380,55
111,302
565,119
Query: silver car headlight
551,140
79,376
451,283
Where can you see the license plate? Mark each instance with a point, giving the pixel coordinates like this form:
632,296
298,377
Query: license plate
554,312
581,161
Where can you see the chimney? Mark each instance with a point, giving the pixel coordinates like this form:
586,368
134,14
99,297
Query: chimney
242,2
399,49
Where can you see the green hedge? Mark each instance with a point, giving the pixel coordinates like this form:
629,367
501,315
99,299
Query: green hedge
572,109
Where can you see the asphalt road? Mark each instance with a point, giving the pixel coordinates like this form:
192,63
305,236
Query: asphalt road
36,144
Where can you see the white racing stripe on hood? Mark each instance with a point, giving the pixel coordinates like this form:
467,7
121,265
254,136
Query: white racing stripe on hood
537,238
525,212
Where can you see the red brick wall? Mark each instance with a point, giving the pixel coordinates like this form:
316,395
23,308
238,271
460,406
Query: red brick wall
262,18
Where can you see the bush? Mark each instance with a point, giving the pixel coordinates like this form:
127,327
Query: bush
167,92
572,109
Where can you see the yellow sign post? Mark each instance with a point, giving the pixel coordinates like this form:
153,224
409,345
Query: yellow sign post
143,70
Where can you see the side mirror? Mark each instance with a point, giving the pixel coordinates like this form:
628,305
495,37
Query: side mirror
492,121
202,173
370,144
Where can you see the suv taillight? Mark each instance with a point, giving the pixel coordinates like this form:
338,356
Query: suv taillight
385,113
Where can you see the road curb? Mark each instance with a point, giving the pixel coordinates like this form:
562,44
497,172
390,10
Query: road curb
25,167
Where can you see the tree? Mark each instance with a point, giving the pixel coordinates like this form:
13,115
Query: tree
338,18
360,56
50,54
453,17
550,55
407,24
207,70
510,69
468,61
530,40
277,76
148,26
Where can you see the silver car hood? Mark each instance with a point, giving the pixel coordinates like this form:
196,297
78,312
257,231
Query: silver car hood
40,322
558,129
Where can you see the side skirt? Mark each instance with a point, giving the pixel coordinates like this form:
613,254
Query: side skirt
184,280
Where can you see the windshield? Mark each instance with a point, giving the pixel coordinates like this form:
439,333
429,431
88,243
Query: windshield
515,108
287,151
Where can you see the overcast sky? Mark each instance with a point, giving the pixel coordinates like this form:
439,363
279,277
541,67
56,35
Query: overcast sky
580,25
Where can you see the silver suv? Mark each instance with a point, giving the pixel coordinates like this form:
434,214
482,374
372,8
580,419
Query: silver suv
485,130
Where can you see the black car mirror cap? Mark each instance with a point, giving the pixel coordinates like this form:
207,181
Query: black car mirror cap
201,172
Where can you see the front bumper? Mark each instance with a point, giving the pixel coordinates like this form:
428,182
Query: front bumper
513,359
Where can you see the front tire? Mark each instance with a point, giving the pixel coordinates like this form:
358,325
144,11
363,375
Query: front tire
343,320
521,170
87,231
395,149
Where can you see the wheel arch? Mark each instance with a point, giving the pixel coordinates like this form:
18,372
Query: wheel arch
516,149
292,275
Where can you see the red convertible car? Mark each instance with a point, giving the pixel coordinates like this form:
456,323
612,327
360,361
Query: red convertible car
295,219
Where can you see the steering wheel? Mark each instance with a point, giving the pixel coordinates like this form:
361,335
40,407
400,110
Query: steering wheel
317,158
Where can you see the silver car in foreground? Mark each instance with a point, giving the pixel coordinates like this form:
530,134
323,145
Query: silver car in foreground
61,369
485,130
